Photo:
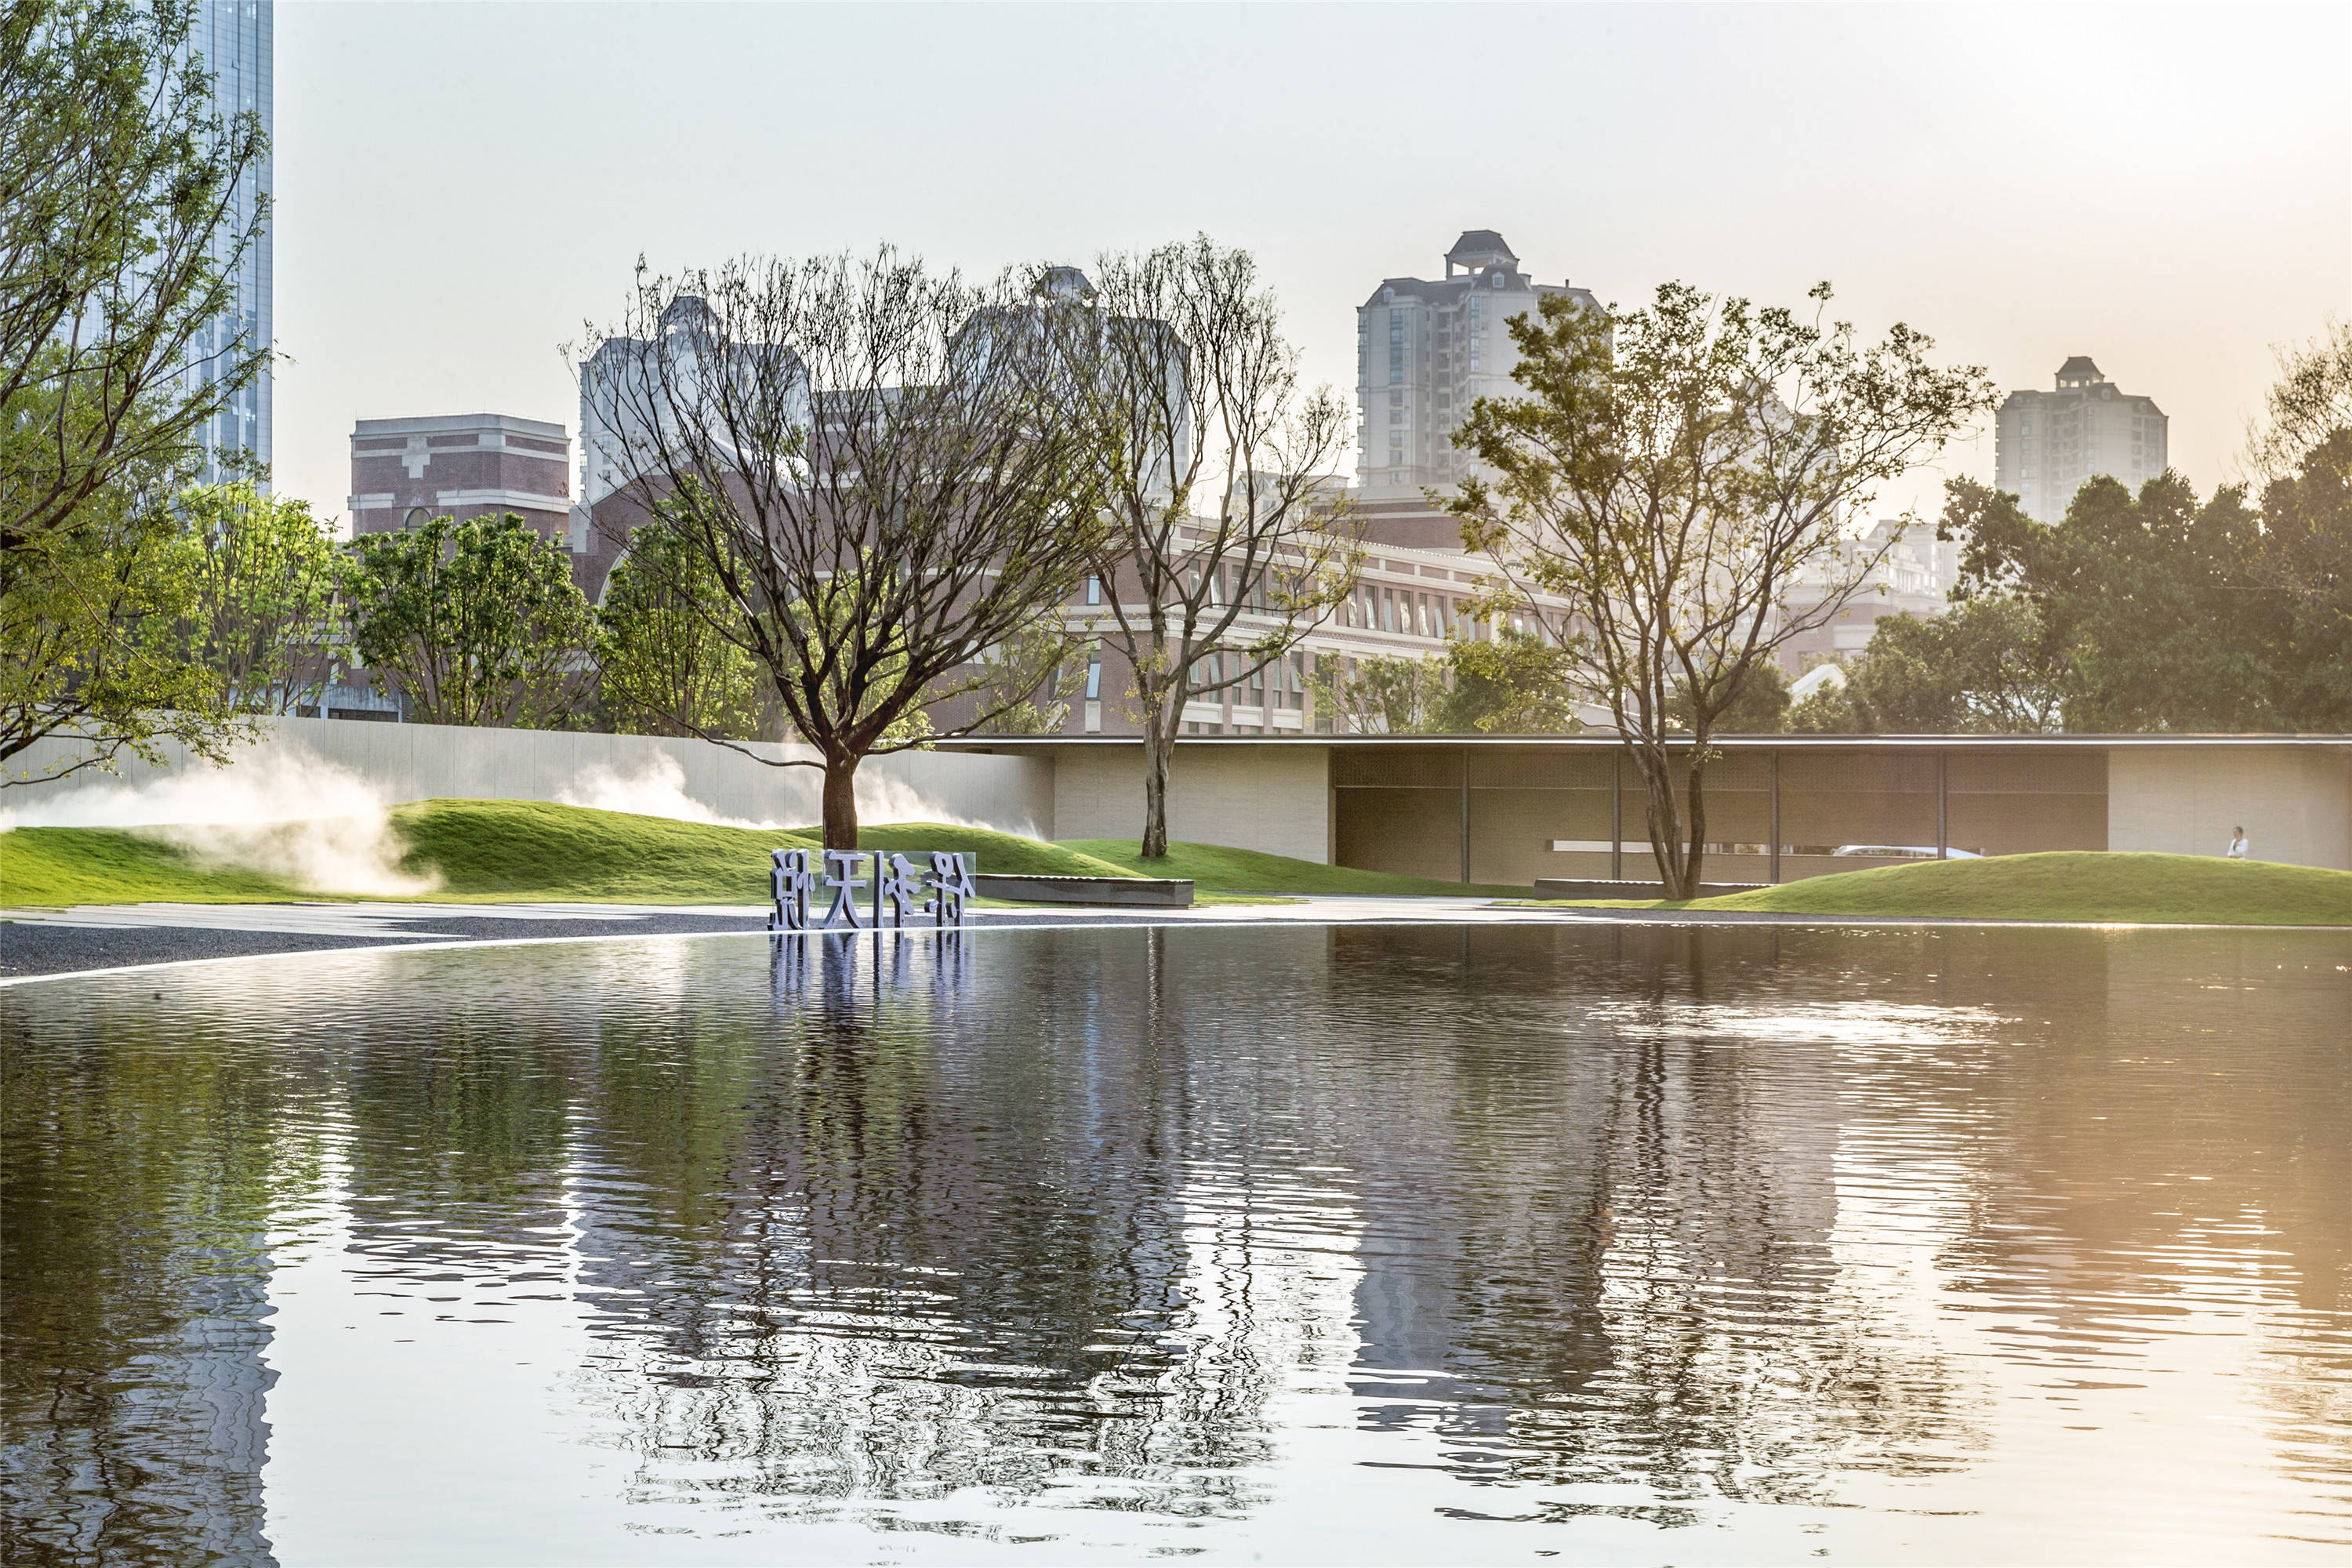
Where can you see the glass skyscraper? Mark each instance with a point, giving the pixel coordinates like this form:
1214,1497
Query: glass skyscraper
233,37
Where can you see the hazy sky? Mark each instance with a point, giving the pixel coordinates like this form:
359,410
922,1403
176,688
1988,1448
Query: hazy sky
2169,190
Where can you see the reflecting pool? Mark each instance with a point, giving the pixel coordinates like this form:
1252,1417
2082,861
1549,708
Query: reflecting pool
1350,1243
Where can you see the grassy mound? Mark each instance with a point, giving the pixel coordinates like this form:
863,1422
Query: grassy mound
60,866
495,851
517,851
521,850
1214,867
2070,885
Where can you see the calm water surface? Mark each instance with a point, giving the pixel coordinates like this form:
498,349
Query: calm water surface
1418,1244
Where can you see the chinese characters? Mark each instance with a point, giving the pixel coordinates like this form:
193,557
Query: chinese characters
937,892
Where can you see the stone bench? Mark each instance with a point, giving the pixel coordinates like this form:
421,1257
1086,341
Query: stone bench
1149,892
1570,888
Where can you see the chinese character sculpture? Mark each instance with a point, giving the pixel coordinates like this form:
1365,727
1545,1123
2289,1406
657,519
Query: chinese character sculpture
841,877
941,892
898,890
950,887
790,882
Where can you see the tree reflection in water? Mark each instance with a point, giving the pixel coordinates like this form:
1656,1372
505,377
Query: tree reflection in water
1636,1222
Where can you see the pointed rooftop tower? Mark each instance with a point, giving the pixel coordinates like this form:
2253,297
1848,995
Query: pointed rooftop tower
2080,370
1477,249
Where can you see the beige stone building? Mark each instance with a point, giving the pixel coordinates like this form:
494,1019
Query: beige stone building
2046,444
1428,348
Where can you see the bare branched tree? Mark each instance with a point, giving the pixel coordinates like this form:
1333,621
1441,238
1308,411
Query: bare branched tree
2311,401
1223,544
859,456
1672,474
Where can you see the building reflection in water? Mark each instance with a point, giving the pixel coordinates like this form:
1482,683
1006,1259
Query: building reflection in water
1636,1222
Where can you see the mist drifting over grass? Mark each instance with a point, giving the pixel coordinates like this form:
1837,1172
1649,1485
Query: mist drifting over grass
658,789
289,814
318,826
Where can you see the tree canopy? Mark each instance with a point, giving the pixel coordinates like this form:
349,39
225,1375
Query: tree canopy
862,457
119,242
1671,478
475,623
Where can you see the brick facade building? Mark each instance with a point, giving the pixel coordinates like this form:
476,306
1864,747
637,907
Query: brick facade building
407,472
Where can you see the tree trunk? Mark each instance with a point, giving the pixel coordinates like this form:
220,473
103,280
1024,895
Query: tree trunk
840,803
1676,858
1158,758
1691,862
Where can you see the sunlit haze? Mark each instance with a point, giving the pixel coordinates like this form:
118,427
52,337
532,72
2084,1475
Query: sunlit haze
2165,189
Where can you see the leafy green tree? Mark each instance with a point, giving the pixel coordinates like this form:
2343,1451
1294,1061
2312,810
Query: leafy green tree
1760,709
476,622
120,236
118,242
1514,684
1383,694
92,622
1670,476
266,582
2305,555
1981,668
2154,609
672,663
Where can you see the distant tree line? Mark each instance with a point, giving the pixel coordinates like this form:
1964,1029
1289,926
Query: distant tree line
2159,611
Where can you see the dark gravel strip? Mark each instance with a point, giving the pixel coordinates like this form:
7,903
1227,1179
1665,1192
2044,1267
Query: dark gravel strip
30,947
27,948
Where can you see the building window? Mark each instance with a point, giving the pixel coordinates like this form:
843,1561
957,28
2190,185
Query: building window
1094,590
1094,679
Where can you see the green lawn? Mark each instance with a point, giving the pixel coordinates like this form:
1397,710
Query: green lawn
2070,885
1214,865
501,851
59,865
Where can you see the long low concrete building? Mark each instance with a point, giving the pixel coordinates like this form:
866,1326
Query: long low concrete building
1510,810
1499,810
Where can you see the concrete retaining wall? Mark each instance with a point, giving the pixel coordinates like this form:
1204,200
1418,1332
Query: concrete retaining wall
650,774
2294,803
1276,799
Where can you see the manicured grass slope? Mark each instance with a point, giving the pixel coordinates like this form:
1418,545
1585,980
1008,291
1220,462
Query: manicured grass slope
493,851
60,866
529,850
1213,866
2073,885
517,851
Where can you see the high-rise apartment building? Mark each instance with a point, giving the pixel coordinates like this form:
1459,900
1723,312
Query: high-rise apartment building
233,38
2045,444
1425,350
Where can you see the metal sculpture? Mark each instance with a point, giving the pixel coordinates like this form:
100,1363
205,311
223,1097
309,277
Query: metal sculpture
940,892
